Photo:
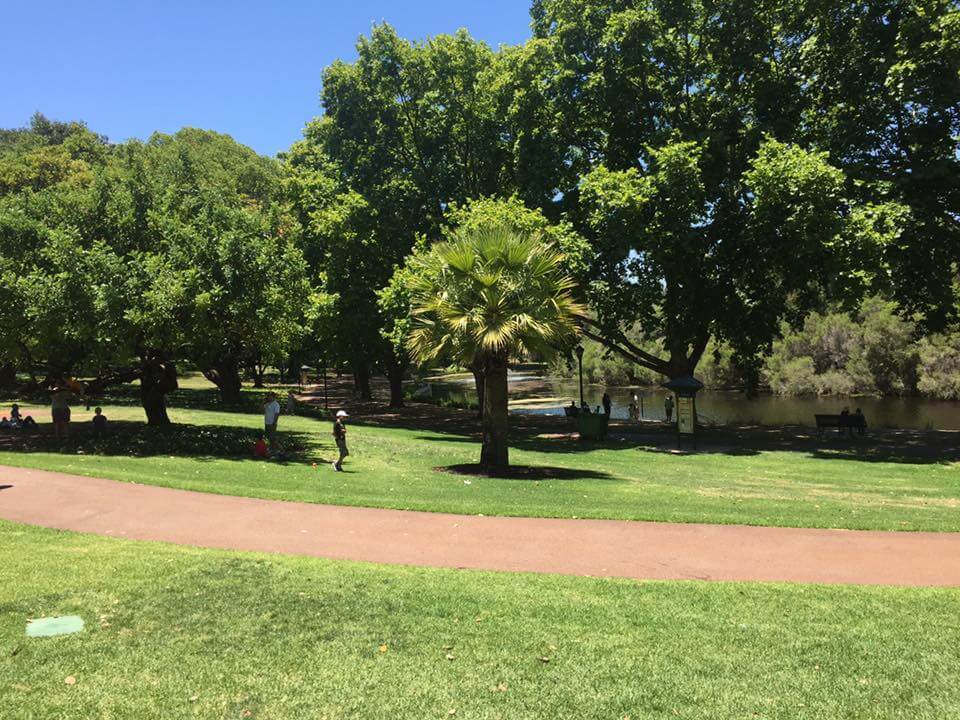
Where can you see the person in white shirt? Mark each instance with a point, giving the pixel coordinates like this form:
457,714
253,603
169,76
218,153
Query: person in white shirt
271,411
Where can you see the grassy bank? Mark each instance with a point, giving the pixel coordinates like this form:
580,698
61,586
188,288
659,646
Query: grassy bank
179,632
397,468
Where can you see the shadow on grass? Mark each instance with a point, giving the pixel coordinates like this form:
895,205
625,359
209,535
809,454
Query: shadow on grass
185,398
136,439
548,435
526,472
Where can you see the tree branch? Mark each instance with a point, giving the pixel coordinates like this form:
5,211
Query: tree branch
621,345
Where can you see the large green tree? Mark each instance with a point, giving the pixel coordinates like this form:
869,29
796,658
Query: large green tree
408,130
694,169
882,96
121,260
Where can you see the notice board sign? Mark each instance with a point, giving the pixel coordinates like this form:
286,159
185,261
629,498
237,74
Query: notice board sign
685,418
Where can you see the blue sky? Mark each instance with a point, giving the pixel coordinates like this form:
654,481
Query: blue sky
250,69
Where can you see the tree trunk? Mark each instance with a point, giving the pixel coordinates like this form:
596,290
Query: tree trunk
495,451
8,376
225,374
361,381
157,379
395,376
479,382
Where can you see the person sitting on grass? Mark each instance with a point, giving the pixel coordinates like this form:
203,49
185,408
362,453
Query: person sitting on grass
17,420
260,448
340,436
99,422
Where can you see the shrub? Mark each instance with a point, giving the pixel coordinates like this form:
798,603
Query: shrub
940,366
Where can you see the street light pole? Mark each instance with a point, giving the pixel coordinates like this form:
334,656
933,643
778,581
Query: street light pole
579,351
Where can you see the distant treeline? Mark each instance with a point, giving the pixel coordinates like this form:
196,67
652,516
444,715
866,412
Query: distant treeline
870,352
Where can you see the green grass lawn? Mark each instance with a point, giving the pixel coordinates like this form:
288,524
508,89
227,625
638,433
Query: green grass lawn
179,632
395,468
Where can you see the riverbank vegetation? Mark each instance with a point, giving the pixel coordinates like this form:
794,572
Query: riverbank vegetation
871,351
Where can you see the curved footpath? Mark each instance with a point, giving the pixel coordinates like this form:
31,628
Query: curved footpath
613,548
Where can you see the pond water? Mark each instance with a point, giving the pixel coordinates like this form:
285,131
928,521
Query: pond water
548,396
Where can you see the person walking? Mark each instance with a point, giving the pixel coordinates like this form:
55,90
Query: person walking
607,404
340,436
271,412
668,407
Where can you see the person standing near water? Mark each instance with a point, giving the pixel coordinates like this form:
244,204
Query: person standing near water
607,404
668,407
340,436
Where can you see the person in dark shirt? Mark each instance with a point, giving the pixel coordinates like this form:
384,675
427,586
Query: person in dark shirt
607,404
861,421
340,436
18,420
99,422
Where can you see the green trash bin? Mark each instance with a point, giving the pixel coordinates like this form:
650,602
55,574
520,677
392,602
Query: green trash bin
593,426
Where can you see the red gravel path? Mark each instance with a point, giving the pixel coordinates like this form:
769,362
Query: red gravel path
575,547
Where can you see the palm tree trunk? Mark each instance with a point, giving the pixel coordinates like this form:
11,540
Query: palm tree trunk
478,379
495,451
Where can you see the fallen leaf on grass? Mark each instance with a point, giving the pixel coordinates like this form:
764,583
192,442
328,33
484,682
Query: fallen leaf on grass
452,711
71,680
194,698
383,648
502,687
544,659
449,656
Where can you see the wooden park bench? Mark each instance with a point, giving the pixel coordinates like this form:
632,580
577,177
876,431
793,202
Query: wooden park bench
843,423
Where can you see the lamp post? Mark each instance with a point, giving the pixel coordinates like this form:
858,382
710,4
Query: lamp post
579,351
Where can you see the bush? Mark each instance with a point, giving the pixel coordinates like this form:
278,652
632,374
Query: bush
871,352
940,366
792,376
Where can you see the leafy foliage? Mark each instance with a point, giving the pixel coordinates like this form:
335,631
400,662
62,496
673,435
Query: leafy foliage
490,291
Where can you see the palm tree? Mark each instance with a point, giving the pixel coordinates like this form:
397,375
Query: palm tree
486,295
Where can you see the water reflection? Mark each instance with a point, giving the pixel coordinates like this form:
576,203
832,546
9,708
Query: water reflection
546,396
